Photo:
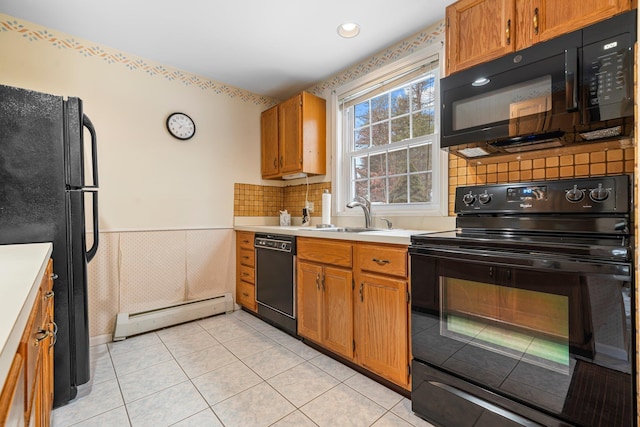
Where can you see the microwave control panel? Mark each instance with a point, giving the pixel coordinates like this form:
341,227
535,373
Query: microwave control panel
608,78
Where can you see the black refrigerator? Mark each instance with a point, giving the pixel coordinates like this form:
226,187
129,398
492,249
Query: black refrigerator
46,192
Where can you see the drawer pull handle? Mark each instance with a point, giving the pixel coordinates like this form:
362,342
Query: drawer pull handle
245,294
55,334
380,261
245,274
42,334
49,295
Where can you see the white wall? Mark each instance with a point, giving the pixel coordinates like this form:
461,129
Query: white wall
166,206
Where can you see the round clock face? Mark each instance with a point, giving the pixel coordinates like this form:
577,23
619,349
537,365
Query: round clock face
181,126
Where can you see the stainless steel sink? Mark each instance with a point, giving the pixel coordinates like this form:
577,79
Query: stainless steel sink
344,229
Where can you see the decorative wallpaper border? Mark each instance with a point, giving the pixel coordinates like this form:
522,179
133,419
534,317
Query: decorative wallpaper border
35,33
428,36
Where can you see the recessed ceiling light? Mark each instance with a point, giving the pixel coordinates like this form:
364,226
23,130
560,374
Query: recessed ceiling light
349,30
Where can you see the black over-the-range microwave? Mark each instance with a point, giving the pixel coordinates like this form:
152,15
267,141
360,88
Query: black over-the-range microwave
576,88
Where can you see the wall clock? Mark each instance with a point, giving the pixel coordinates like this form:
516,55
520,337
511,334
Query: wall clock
181,126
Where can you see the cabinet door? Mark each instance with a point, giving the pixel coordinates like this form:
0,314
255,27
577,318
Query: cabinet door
382,327
309,300
269,142
337,311
540,20
290,147
477,31
13,395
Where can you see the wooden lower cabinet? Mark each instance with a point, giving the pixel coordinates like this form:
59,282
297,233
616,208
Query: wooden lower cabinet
325,306
27,396
245,270
382,330
353,300
382,311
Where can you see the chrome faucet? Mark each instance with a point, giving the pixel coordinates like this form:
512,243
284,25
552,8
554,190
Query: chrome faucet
366,208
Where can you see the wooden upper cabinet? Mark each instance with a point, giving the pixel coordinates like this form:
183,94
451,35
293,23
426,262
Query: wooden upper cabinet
481,30
269,142
478,31
289,117
540,20
293,137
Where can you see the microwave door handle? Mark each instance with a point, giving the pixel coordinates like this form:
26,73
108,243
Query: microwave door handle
571,78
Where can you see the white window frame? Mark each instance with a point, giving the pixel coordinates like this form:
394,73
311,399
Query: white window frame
341,171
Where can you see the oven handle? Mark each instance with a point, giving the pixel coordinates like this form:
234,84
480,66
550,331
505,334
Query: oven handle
533,260
484,404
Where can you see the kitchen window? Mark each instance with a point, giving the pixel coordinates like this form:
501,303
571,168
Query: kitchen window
389,139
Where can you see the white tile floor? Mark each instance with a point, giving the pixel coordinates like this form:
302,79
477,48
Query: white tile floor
227,370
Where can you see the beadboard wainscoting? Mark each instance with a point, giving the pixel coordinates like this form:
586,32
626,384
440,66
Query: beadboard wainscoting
145,270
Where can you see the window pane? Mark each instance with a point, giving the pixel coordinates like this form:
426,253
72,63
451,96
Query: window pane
380,108
361,112
399,102
379,190
398,162
361,167
378,164
400,129
361,138
398,189
380,133
420,187
422,93
423,123
362,189
420,158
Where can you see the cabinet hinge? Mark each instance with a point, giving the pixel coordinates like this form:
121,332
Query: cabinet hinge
408,297
409,369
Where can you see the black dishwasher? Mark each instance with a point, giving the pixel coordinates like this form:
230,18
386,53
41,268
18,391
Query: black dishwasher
275,280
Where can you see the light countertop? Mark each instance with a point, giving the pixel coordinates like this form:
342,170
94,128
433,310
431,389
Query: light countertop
392,236
21,270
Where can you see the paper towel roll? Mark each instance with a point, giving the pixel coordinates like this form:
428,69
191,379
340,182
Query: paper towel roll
326,207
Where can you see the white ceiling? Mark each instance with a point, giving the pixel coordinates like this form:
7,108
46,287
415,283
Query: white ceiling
270,47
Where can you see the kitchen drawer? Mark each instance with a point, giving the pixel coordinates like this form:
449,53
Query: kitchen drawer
383,259
245,239
246,295
247,274
247,257
325,251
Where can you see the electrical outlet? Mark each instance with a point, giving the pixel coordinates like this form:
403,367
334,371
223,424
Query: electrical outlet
310,206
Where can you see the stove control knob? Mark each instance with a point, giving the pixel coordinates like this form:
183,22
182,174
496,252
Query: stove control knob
575,194
484,198
468,199
599,194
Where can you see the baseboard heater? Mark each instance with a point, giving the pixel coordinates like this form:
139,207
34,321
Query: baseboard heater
128,324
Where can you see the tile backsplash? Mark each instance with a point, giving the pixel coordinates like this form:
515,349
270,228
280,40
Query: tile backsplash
607,158
264,200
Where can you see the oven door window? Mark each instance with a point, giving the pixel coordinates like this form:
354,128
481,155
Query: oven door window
522,324
549,338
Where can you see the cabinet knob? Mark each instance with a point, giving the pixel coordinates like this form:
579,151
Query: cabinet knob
49,295
54,276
